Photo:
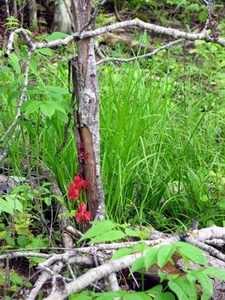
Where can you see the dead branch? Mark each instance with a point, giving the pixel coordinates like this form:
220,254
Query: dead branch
173,33
154,52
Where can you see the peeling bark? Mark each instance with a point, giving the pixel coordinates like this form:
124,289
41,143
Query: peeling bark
87,111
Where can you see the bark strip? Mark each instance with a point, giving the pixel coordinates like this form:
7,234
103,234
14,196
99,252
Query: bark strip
85,90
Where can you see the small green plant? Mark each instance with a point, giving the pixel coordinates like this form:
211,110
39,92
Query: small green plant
182,283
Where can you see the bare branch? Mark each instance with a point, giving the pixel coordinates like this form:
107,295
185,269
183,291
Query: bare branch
167,46
93,275
23,96
174,33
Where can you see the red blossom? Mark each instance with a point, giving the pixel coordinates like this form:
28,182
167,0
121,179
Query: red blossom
82,214
77,178
73,192
80,183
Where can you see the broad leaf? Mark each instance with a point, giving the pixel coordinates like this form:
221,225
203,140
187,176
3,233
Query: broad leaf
207,285
164,254
138,264
47,109
131,232
55,35
45,51
180,290
165,296
140,247
98,227
151,257
6,207
122,252
191,252
111,235
31,106
215,272
156,290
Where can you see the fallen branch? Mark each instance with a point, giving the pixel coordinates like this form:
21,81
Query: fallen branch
154,52
173,33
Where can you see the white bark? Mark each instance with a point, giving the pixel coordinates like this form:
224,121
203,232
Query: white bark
62,17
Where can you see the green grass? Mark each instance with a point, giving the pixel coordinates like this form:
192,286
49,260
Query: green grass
162,134
161,138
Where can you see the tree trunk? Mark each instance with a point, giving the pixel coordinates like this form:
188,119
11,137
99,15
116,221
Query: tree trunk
87,111
32,6
63,17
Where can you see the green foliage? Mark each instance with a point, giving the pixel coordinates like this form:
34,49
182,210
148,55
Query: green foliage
183,285
111,232
12,23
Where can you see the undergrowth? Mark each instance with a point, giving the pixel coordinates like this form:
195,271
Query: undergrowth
162,133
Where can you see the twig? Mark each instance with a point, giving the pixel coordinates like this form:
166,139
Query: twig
23,96
174,33
126,60
41,280
93,275
93,16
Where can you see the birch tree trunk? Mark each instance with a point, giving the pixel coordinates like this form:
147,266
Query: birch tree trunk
63,17
32,6
87,110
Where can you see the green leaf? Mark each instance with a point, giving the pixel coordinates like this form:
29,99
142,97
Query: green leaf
22,241
183,288
191,252
140,247
6,207
97,228
55,35
14,203
151,257
207,285
164,254
56,89
37,259
31,106
165,296
178,290
15,278
47,109
138,264
215,272
156,290
45,51
122,252
131,232
111,235
57,106
14,63
136,296
18,205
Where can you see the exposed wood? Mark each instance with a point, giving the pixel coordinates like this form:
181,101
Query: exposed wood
87,111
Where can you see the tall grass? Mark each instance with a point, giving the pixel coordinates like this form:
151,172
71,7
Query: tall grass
161,138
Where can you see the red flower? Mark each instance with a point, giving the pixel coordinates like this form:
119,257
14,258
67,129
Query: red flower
82,214
80,183
73,192
77,178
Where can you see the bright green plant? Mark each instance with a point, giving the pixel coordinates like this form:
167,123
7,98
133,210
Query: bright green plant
183,284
